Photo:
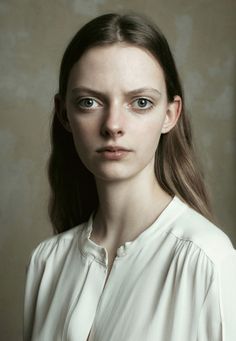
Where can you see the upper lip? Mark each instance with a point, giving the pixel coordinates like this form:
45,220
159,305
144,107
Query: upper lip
112,149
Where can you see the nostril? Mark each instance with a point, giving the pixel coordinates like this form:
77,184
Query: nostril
109,132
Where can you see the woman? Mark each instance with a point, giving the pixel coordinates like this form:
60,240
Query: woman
135,256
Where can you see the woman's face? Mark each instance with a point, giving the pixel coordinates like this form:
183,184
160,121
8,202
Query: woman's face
117,108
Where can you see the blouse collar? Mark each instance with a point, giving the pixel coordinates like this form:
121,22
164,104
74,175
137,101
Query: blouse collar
167,216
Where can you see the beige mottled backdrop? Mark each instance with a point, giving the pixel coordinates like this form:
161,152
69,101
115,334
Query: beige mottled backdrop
34,35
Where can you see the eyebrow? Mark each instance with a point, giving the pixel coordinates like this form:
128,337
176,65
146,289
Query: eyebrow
98,93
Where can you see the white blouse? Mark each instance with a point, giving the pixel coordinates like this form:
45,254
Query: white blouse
175,282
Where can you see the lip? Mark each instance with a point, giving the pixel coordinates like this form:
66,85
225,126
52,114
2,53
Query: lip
113,152
112,149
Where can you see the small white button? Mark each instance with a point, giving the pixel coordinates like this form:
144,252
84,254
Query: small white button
121,251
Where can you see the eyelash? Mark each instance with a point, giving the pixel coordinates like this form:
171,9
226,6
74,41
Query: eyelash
151,104
78,102
84,108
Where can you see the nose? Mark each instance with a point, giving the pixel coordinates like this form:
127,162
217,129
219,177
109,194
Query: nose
113,123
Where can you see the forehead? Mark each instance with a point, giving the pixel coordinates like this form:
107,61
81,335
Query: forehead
112,65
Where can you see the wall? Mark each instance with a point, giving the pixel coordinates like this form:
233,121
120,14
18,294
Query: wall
34,35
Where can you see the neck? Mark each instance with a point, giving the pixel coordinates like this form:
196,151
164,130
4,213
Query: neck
127,208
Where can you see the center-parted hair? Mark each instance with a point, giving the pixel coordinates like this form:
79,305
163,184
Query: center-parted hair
73,190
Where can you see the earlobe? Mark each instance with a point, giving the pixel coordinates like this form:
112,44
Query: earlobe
173,112
60,111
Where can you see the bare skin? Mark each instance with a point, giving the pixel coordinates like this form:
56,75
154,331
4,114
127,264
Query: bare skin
108,113
146,202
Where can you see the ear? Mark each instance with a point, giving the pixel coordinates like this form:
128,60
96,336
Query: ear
172,115
60,111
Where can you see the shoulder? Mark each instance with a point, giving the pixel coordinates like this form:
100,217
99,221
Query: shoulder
58,245
191,226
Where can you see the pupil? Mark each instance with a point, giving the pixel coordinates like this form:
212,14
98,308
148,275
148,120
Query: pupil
142,102
88,102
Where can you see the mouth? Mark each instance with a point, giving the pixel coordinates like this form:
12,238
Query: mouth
113,152
112,149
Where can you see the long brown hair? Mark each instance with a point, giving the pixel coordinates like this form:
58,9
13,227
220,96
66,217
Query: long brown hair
73,190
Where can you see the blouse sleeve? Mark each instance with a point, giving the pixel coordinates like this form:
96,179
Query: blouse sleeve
34,275
218,315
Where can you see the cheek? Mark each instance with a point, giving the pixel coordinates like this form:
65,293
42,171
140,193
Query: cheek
150,135
81,141
83,132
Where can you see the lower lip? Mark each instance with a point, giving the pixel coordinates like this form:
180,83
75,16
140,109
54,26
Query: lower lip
114,155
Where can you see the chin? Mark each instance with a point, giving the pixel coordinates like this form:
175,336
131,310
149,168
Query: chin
111,177
113,174
116,172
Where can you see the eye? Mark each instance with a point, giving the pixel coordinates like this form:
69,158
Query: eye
87,103
142,103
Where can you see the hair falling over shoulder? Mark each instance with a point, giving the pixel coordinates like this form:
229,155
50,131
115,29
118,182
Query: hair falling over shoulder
73,191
